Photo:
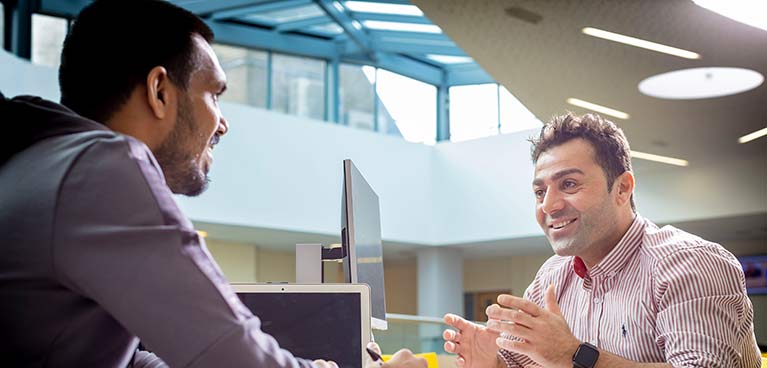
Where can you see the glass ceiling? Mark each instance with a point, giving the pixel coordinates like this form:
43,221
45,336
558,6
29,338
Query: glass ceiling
391,34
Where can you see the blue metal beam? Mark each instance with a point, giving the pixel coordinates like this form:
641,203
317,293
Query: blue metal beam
357,35
20,28
402,65
360,16
417,48
64,9
261,7
415,37
443,110
461,77
303,23
206,8
245,36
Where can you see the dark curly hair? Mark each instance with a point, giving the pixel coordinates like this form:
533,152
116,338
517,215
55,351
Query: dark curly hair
611,147
113,45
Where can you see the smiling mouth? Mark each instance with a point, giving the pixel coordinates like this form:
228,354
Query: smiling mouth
560,224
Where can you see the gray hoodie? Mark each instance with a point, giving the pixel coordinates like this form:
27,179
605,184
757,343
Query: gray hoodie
95,254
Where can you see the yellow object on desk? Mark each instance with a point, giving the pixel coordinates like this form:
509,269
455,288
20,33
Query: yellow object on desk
431,359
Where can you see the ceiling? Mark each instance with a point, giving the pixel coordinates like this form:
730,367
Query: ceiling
545,63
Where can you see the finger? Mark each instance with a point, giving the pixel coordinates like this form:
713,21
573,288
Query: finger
450,335
524,305
460,362
456,321
551,301
494,312
512,329
373,346
513,345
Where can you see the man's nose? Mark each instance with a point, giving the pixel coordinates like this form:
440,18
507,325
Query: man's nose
223,126
552,202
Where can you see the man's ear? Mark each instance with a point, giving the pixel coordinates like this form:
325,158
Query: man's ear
160,92
624,187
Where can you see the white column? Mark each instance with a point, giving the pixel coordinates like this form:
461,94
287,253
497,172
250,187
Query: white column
440,291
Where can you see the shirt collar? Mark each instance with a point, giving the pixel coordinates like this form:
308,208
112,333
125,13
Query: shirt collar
618,256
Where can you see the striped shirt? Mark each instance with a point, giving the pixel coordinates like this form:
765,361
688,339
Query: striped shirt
661,295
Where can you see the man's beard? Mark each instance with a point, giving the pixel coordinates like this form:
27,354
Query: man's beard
182,172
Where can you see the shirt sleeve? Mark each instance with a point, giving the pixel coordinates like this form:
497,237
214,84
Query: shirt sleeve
703,311
120,240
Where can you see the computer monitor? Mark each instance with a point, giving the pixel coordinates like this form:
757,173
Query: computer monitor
361,238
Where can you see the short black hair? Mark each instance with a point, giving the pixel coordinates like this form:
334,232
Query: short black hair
113,45
611,148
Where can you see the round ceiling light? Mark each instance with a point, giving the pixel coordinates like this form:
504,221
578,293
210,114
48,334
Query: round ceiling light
695,83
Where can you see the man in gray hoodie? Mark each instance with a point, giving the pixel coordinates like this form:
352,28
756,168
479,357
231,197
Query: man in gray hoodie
96,253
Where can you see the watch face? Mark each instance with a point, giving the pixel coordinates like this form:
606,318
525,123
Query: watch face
586,356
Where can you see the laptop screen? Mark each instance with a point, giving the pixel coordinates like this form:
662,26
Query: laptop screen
311,325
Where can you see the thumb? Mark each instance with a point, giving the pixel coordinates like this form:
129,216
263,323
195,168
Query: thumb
551,301
373,346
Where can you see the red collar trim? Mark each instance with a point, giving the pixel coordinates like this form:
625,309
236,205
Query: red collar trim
579,267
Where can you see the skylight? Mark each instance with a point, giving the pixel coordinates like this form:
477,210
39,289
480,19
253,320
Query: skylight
450,59
402,27
751,12
382,8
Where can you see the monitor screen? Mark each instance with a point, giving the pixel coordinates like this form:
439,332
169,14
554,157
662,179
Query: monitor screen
329,329
755,270
361,235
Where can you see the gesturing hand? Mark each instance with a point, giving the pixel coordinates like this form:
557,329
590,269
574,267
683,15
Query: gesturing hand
475,344
544,334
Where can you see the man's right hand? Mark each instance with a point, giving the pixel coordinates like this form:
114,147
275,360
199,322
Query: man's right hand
474,344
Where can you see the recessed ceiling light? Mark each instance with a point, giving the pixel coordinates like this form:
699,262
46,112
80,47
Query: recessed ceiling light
381,8
750,137
751,12
598,108
687,84
402,27
637,42
658,158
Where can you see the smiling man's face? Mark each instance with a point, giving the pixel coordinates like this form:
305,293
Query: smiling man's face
186,155
573,205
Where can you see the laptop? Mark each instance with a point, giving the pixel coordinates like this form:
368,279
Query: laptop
314,321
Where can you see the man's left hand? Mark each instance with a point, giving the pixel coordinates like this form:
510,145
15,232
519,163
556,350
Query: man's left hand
543,334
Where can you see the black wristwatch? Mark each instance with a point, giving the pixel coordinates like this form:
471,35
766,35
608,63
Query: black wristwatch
586,356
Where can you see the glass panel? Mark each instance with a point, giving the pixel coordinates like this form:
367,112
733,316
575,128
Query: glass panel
298,86
514,115
381,8
288,15
409,105
356,94
473,111
330,29
245,74
48,35
417,333
401,27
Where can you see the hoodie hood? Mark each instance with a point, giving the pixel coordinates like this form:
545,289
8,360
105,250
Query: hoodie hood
32,119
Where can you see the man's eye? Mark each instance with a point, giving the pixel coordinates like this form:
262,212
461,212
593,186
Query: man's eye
568,184
539,193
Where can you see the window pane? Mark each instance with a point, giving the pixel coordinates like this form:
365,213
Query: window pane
409,105
473,111
356,94
298,86
245,74
514,115
48,35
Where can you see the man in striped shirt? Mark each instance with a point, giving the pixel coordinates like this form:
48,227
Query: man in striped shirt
620,292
